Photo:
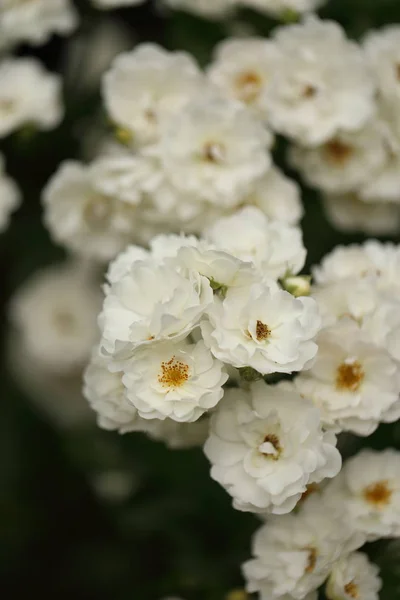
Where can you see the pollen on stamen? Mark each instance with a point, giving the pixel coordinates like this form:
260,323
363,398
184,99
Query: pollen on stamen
351,590
338,152
272,439
174,373
312,560
262,331
248,85
378,494
213,152
349,376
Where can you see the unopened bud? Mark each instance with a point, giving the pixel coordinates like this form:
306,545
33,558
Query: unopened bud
298,285
123,136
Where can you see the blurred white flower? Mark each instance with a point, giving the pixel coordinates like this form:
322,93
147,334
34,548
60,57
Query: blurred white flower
84,219
210,9
368,491
373,259
55,314
345,162
178,380
29,95
295,553
353,577
55,395
177,436
110,4
353,382
277,196
144,88
121,174
382,49
35,21
351,213
321,83
266,446
215,149
263,327
10,197
242,69
90,53
280,8
274,248
354,298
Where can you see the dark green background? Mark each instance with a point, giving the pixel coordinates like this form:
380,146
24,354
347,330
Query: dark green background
177,531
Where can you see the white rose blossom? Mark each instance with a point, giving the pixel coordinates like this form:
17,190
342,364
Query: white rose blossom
110,4
210,9
35,21
277,196
29,95
353,382
383,54
153,302
55,314
242,69
367,492
265,447
107,396
178,380
345,162
354,576
146,87
263,327
321,83
215,149
82,217
294,554
278,8
10,197
350,213
372,259
274,248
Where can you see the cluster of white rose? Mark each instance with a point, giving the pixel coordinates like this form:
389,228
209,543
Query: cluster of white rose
357,168
189,154
354,382
205,306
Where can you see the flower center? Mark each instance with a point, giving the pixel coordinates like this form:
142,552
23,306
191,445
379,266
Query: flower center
349,376
351,589
271,446
309,91
213,152
6,106
248,85
174,373
150,116
64,322
97,212
312,559
262,331
338,152
378,494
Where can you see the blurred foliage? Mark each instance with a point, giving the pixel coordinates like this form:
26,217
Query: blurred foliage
175,531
